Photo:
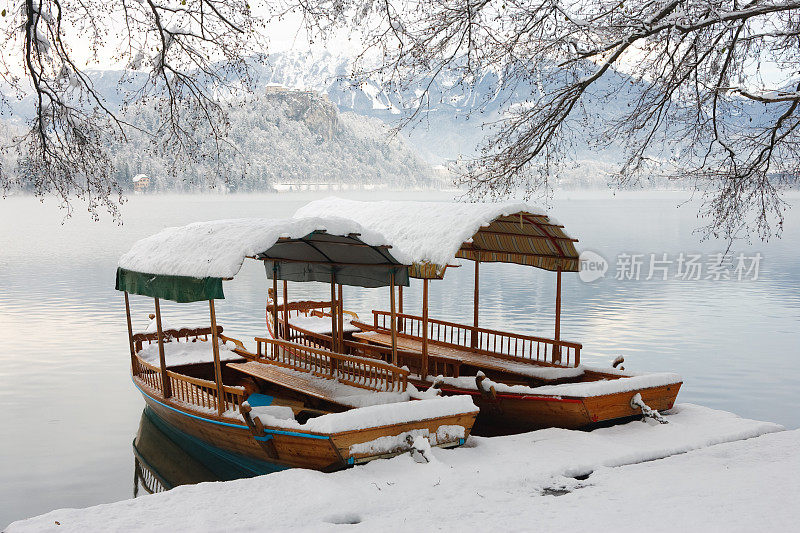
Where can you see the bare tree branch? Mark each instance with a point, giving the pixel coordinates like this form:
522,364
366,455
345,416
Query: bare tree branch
699,109
192,52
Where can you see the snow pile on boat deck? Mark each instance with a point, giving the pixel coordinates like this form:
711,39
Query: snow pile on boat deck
629,381
583,389
374,415
178,353
604,387
535,480
419,232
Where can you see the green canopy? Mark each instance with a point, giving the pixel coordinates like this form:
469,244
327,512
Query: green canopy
181,289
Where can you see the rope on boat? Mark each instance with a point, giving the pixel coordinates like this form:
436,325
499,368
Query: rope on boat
618,361
487,392
647,412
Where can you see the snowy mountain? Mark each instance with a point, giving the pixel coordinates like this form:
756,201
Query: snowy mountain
451,125
445,130
454,117
286,139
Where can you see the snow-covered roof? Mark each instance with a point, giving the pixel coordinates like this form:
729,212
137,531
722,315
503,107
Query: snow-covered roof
435,233
187,263
217,249
139,177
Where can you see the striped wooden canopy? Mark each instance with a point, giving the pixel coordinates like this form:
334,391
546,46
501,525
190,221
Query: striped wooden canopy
427,236
525,239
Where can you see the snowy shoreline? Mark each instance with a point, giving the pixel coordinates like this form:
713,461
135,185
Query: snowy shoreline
706,469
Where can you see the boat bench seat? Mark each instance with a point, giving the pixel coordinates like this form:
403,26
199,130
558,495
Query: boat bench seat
286,378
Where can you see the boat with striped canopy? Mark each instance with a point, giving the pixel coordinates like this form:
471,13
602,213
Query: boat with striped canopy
520,381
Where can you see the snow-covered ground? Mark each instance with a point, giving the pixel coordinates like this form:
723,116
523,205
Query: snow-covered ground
706,469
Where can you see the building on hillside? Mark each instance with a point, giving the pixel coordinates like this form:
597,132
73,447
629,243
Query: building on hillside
275,88
141,182
442,177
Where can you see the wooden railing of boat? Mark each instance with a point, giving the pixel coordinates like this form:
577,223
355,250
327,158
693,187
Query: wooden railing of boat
299,308
405,358
197,392
187,334
513,346
362,372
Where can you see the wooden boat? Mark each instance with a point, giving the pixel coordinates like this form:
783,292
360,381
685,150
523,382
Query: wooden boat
284,404
520,382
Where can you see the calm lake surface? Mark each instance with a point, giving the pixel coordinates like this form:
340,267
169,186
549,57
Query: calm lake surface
69,412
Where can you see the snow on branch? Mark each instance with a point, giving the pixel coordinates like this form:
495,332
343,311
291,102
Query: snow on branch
185,56
655,65
769,97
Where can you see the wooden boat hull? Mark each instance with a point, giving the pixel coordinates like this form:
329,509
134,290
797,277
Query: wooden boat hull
517,413
288,449
237,438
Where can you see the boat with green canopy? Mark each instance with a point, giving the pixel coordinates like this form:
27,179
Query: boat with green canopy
283,404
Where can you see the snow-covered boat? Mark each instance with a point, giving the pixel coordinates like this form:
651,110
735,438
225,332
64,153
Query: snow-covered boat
520,382
284,404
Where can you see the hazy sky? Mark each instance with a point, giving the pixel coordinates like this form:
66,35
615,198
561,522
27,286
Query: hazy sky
287,34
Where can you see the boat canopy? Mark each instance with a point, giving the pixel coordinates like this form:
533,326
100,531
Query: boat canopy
430,235
189,263
321,256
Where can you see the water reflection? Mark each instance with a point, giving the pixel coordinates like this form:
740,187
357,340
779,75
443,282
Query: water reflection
165,458
160,463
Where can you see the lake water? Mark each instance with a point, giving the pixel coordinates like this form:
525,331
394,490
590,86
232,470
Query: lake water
69,412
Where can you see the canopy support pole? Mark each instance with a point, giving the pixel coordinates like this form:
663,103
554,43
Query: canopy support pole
340,316
475,301
166,389
424,328
130,333
217,365
394,319
286,333
400,306
275,298
557,356
334,312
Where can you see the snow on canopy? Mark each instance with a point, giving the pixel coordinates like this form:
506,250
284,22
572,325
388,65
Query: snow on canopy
435,233
217,249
